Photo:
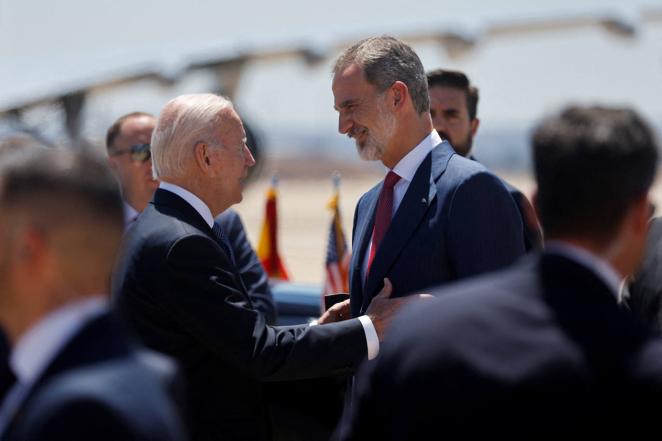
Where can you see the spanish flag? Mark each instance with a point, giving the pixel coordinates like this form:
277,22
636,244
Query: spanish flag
267,248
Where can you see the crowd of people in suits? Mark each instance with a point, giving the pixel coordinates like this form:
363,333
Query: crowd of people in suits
141,312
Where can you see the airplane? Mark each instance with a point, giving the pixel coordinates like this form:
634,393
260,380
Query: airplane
458,34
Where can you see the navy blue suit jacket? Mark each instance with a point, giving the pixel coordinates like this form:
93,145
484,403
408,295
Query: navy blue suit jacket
541,350
455,221
99,388
531,227
250,269
180,292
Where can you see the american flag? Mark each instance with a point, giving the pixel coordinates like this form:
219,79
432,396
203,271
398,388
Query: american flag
337,253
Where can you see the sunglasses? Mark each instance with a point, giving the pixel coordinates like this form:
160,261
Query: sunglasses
139,152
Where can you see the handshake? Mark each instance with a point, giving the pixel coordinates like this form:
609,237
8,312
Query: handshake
381,310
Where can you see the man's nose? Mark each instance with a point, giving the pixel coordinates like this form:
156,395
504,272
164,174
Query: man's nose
345,123
248,157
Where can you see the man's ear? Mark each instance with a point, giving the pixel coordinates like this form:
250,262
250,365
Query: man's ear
112,163
201,154
474,126
641,214
399,92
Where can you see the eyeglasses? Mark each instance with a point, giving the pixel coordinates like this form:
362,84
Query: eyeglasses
139,152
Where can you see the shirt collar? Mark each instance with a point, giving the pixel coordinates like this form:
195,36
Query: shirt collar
595,263
192,199
37,347
407,166
130,213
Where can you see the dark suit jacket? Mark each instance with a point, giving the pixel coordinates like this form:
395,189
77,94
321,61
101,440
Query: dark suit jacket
535,351
98,388
531,229
177,288
7,377
645,290
250,269
456,220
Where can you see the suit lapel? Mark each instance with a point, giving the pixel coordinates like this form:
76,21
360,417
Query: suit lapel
417,201
364,226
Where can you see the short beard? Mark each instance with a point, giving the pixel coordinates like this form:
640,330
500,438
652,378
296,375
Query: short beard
379,137
463,149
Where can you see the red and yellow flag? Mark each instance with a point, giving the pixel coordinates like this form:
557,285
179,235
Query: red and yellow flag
267,248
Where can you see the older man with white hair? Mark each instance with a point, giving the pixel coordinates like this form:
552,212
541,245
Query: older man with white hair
178,286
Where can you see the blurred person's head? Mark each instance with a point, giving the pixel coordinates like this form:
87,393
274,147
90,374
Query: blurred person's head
380,93
594,167
128,144
200,144
453,108
61,222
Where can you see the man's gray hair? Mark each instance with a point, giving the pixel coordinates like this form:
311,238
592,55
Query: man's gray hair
184,122
385,60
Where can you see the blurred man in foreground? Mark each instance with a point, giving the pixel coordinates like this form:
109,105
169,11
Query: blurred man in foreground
78,376
541,350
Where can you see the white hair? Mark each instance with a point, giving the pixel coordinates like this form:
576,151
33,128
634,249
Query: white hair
184,122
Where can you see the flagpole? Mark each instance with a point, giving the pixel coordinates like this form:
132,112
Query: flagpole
335,179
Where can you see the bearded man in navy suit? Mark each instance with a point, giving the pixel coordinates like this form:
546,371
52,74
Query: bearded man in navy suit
437,217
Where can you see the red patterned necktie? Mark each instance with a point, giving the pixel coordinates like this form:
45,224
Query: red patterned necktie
383,216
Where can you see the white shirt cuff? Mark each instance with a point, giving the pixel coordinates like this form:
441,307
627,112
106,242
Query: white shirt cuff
370,336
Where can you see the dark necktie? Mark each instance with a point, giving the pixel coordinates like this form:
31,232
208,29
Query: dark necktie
383,216
222,240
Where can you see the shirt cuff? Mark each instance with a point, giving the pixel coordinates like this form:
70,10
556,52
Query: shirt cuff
370,336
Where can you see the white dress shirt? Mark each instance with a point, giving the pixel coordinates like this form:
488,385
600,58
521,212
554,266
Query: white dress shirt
406,168
595,263
204,211
192,199
130,215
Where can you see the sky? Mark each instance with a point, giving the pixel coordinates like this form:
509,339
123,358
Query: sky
46,47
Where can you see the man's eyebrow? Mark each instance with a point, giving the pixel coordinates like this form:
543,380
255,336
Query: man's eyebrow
345,104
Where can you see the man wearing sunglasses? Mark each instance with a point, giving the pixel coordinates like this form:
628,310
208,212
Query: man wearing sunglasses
129,156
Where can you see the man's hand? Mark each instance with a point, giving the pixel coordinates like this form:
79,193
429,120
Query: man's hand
383,308
338,312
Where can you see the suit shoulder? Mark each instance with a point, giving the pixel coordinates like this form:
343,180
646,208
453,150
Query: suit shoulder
488,300
123,396
158,230
468,166
229,218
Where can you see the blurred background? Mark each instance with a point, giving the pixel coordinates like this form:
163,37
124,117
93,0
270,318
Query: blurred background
69,68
